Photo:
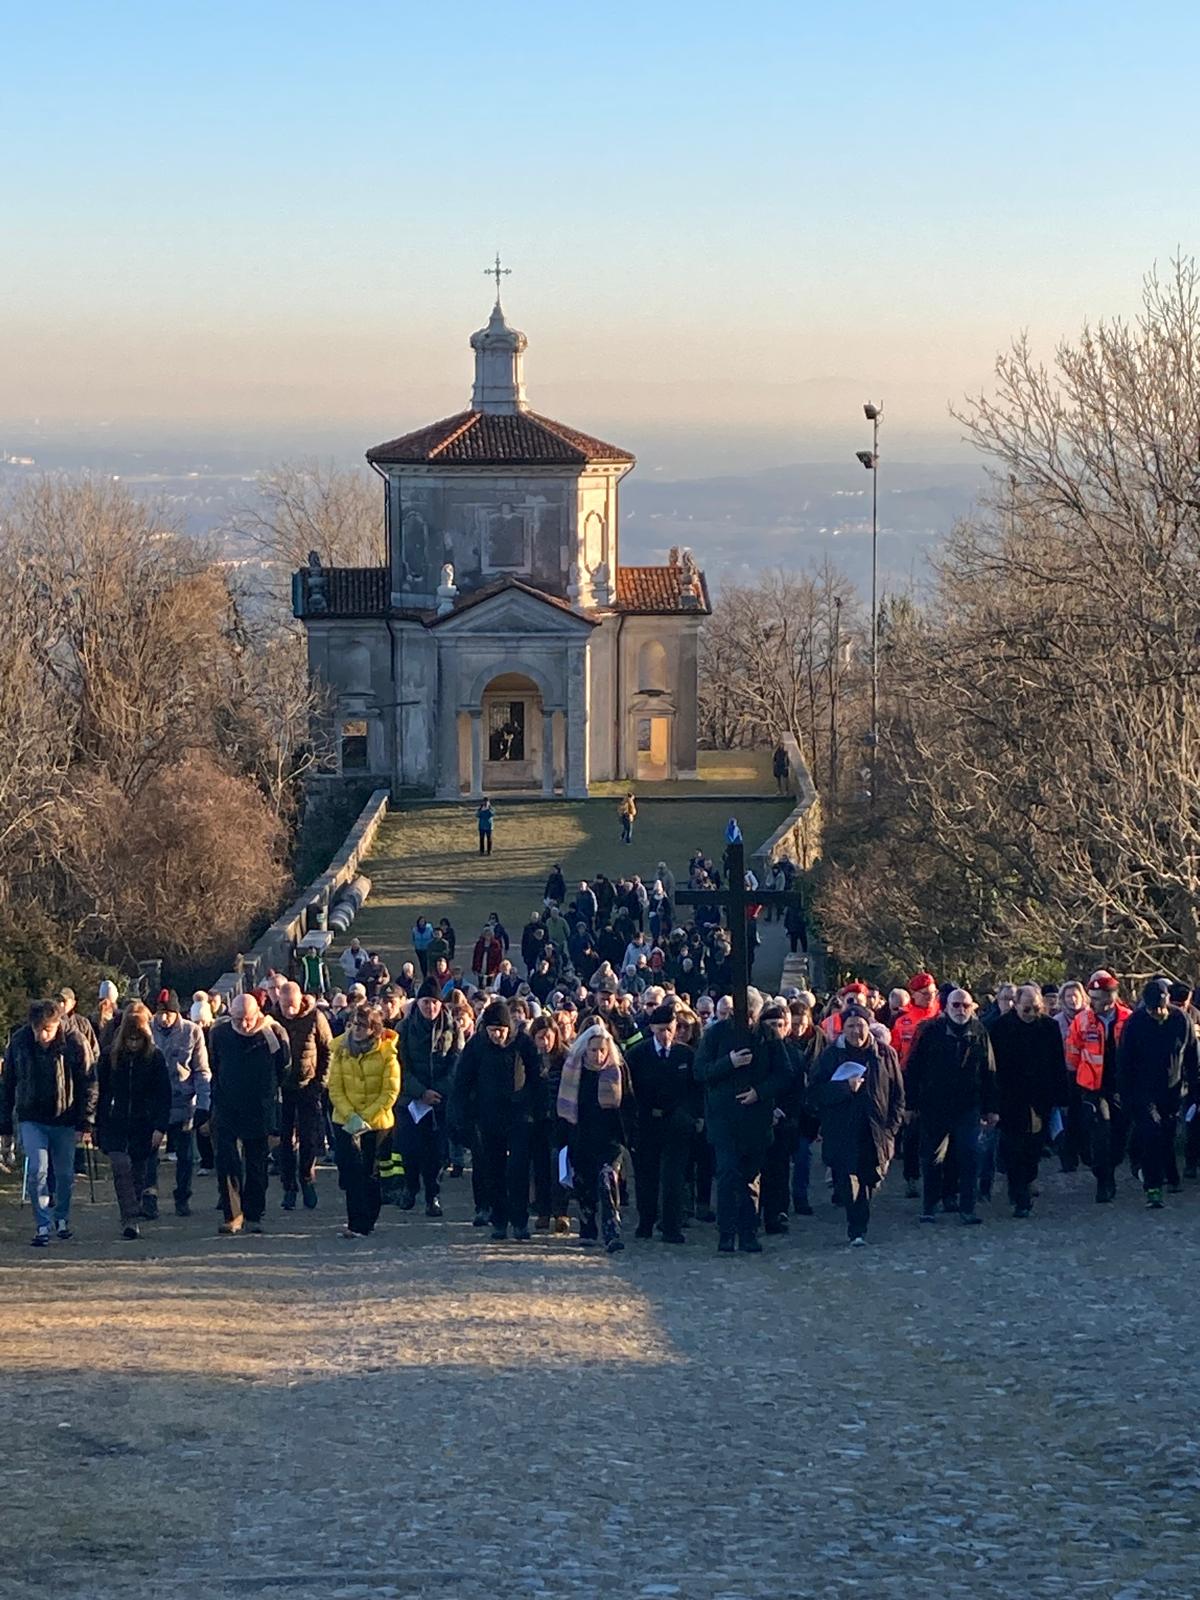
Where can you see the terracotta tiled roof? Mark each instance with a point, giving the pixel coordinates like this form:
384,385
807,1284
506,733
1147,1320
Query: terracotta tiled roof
657,590
348,592
490,590
483,439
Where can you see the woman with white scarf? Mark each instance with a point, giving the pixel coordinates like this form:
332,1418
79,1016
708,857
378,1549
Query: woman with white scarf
595,1100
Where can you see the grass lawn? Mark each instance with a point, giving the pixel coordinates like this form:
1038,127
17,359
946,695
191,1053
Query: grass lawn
720,772
425,859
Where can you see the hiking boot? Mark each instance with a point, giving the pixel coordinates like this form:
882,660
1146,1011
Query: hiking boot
182,1208
309,1193
231,1227
726,1245
434,1208
131,1231
1154,1199
290,1196
150,1207
62,1230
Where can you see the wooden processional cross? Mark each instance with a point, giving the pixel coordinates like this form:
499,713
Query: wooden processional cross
734,901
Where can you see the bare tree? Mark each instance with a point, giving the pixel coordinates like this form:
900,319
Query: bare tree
312,505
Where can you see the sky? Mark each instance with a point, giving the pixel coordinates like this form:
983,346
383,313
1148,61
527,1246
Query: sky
729,224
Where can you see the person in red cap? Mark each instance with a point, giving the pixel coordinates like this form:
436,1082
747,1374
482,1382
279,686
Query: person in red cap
1091,1047
923,1006
854,993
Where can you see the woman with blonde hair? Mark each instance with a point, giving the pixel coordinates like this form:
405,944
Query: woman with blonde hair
134,1109
595,1100
364,1082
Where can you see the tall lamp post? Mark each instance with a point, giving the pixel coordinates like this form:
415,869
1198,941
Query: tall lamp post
870,460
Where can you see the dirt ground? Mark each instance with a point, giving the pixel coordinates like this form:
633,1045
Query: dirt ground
961,1412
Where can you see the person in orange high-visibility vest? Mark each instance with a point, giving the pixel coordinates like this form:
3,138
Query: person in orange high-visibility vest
1091,1049
922,1007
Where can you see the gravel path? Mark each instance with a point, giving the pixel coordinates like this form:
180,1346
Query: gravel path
958,1412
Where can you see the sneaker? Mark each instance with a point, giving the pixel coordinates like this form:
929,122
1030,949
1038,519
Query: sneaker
150,1207
1154,1199
928,1216
309,1193
857,1242
480,1219
256,1226
562,1225
131,1231
499,1233
231,1227
726,1246
751,1246
614,1245
1022,1211
41,1239
349,1233
290,1197
434,1208
969,1219
62,1230
204,1172
522,1234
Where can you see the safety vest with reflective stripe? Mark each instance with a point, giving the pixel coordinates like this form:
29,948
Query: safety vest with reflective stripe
1085,1045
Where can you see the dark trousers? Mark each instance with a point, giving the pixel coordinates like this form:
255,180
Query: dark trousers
701,1166
598,1185
357,1160
1021,1153
1072,1141
550,1199
776,1172
855,1196
204,1145
129,1181
302,1127
1191,1142
910,1146
420,1144
1108,1134
182,1145
959,1142
241,1175
738,1173
626,830
485,842
1156,1147
502,1156
659,1166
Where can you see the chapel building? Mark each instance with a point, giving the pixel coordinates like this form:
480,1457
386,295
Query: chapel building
504,646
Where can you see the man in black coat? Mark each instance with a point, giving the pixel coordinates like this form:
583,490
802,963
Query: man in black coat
498,1094
249,1056
669,1108
951,1085
742,1080
1156,1061
1031,1079
430,1044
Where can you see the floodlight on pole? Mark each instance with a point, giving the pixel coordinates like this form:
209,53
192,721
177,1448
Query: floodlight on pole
870,460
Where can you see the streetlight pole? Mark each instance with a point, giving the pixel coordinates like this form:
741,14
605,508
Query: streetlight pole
870,460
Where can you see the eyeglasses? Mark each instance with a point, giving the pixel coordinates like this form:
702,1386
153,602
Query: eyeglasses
959,1005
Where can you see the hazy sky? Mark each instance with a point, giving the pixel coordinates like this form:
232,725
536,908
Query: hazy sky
718,217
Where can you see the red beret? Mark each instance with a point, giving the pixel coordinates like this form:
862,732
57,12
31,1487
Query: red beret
922,980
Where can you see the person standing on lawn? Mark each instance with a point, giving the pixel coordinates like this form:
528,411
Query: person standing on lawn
485,816
627,811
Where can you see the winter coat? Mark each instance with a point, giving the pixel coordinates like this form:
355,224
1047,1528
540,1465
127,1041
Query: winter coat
533,942
135,1099
185,1052
368,1083
52,1084
495,1087
769,1073
1031,1071
487,957
556,929
904,1029
556,887
310,1040
429,1052
248,1071
859,1126
1156,1061
951,1071
667,1090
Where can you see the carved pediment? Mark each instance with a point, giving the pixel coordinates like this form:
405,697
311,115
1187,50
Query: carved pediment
514,610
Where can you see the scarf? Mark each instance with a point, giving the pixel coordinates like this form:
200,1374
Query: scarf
608,1090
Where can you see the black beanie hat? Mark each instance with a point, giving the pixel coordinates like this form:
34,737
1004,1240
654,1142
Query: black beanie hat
497,1015
429,990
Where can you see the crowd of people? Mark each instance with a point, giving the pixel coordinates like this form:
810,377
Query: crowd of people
613,1063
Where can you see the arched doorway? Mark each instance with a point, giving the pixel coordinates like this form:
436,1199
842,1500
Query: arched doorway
512,734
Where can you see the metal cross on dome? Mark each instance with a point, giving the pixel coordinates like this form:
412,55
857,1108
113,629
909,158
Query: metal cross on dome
497,271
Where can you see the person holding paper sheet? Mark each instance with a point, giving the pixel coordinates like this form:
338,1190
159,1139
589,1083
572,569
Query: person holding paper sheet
1031,1074
858,1094
430,1045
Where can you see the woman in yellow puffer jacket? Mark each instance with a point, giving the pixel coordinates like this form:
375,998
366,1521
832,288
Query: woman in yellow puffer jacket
364,1080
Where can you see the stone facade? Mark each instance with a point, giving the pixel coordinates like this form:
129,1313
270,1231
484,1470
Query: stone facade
504,648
